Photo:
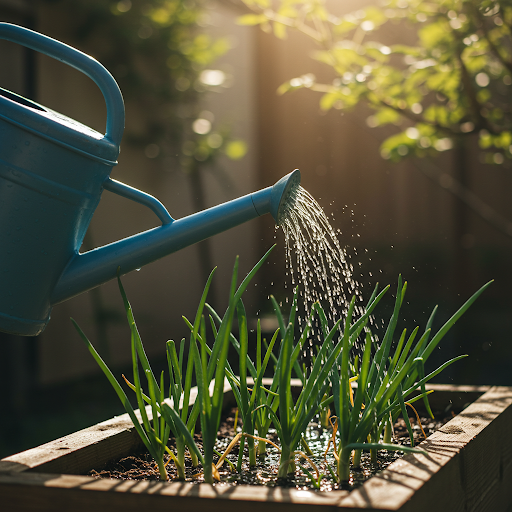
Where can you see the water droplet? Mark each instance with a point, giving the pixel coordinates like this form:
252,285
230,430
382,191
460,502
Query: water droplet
316,261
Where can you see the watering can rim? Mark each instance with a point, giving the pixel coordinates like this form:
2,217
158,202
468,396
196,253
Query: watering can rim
51,125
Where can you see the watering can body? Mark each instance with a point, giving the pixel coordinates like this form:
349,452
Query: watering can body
53,171
48,196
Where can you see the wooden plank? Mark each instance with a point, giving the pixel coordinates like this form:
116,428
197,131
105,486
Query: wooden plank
91,447
478,440
78,452
466,465
43,492
458,397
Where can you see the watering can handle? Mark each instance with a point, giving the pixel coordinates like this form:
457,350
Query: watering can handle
81,61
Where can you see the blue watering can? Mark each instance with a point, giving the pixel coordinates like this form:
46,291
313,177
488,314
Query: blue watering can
53,171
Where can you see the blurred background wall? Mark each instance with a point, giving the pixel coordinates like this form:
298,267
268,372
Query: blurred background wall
394,218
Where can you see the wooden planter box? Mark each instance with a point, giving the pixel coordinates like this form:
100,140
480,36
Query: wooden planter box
468,468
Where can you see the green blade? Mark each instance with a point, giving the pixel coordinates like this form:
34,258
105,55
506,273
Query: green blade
117,388
404,414
171,416
446,327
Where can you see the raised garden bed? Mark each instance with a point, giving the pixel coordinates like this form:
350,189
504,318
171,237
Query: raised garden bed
468,467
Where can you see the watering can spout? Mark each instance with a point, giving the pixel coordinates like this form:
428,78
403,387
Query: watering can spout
88,270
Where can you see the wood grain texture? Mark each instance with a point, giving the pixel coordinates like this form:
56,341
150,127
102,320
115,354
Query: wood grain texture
44,492
468,468
91,447
74,454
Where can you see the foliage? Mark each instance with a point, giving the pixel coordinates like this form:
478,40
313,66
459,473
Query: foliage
295,415
386,378
384,382
155,435
210,365
161,58
249,400
455,81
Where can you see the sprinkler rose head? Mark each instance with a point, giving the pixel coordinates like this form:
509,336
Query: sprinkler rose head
284,194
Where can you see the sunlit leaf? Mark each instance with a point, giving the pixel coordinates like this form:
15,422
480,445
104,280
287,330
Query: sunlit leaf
375,15
279,30
386,116
329,99
236,149
251,19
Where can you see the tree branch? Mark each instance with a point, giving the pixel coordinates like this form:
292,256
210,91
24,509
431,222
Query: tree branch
468,197
415,118
290,22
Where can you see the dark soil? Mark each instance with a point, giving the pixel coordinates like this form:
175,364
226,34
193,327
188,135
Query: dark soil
141,466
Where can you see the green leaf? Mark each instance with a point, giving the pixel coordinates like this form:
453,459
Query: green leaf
285,88
117,388
172,416
404,414
384,446
447,326
279,30
251,19
386,116
328,100
236,149
375,15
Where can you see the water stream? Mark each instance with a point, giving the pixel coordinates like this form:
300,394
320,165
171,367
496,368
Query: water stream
316,262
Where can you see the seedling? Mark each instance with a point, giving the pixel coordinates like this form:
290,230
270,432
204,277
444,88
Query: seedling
211,365
154,434
385,380
383,384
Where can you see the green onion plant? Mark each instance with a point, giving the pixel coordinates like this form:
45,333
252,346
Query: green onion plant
210,366
383,384
155,433
249,400
387,380
294,415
